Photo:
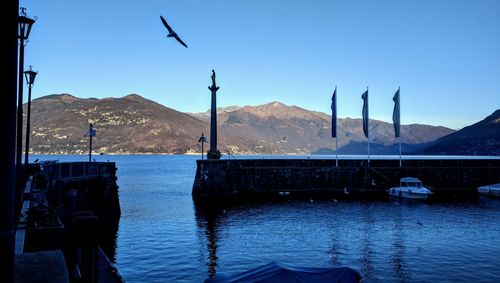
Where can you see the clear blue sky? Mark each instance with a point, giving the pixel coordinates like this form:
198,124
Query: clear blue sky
444,54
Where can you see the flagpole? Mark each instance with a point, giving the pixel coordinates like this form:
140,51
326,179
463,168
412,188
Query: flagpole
368,148
400,151
399,104
336,152
336,136
368,123
90,143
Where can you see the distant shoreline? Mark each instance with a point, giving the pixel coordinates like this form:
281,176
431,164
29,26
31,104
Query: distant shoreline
297,156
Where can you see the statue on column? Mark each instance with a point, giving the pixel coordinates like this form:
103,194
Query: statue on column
214,87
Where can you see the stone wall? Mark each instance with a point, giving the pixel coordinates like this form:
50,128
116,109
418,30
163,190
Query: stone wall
216,178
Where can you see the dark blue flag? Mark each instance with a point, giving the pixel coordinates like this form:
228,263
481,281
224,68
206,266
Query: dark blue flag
364,96
396,114
334,113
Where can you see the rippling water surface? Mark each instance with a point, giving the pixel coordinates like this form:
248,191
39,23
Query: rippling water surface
164,237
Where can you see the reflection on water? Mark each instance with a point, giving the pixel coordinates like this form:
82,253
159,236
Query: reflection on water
366,255
165,237
207,220
379,239
109,236
335,250
212,219
398,260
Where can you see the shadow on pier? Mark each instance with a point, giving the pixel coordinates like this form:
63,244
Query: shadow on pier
70,213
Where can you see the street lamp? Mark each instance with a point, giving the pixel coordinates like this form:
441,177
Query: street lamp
30,80
23,32
203,140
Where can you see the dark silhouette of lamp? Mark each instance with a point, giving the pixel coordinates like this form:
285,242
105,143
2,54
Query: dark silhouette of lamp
24,28
203,140
30,80
9,13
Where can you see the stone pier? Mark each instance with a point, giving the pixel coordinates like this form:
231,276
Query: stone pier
243,177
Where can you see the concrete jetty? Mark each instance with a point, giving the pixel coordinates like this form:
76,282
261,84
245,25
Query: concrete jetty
446,176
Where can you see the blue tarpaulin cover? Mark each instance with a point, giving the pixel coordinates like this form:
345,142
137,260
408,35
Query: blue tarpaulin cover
274,272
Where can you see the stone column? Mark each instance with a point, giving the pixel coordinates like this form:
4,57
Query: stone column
213,153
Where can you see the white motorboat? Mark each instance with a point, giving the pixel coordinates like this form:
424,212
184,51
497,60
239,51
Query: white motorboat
490,190
411,188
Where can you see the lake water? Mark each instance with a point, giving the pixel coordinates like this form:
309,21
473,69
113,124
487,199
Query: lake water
164,237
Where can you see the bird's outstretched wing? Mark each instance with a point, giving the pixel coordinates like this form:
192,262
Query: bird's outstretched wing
180,41
166,25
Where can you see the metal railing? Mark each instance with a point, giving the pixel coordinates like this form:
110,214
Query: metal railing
70,170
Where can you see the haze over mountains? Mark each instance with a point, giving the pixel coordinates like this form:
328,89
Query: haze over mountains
133,124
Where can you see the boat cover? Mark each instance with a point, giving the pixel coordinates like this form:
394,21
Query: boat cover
410,180
274,272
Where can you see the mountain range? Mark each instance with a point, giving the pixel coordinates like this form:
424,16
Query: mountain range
133,124
482,138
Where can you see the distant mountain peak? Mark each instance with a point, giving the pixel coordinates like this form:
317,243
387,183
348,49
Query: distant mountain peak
64,97
275,104
134,96
227,108
270,105
130,124
280,110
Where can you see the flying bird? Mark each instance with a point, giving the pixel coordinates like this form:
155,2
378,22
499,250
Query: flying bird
171,32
